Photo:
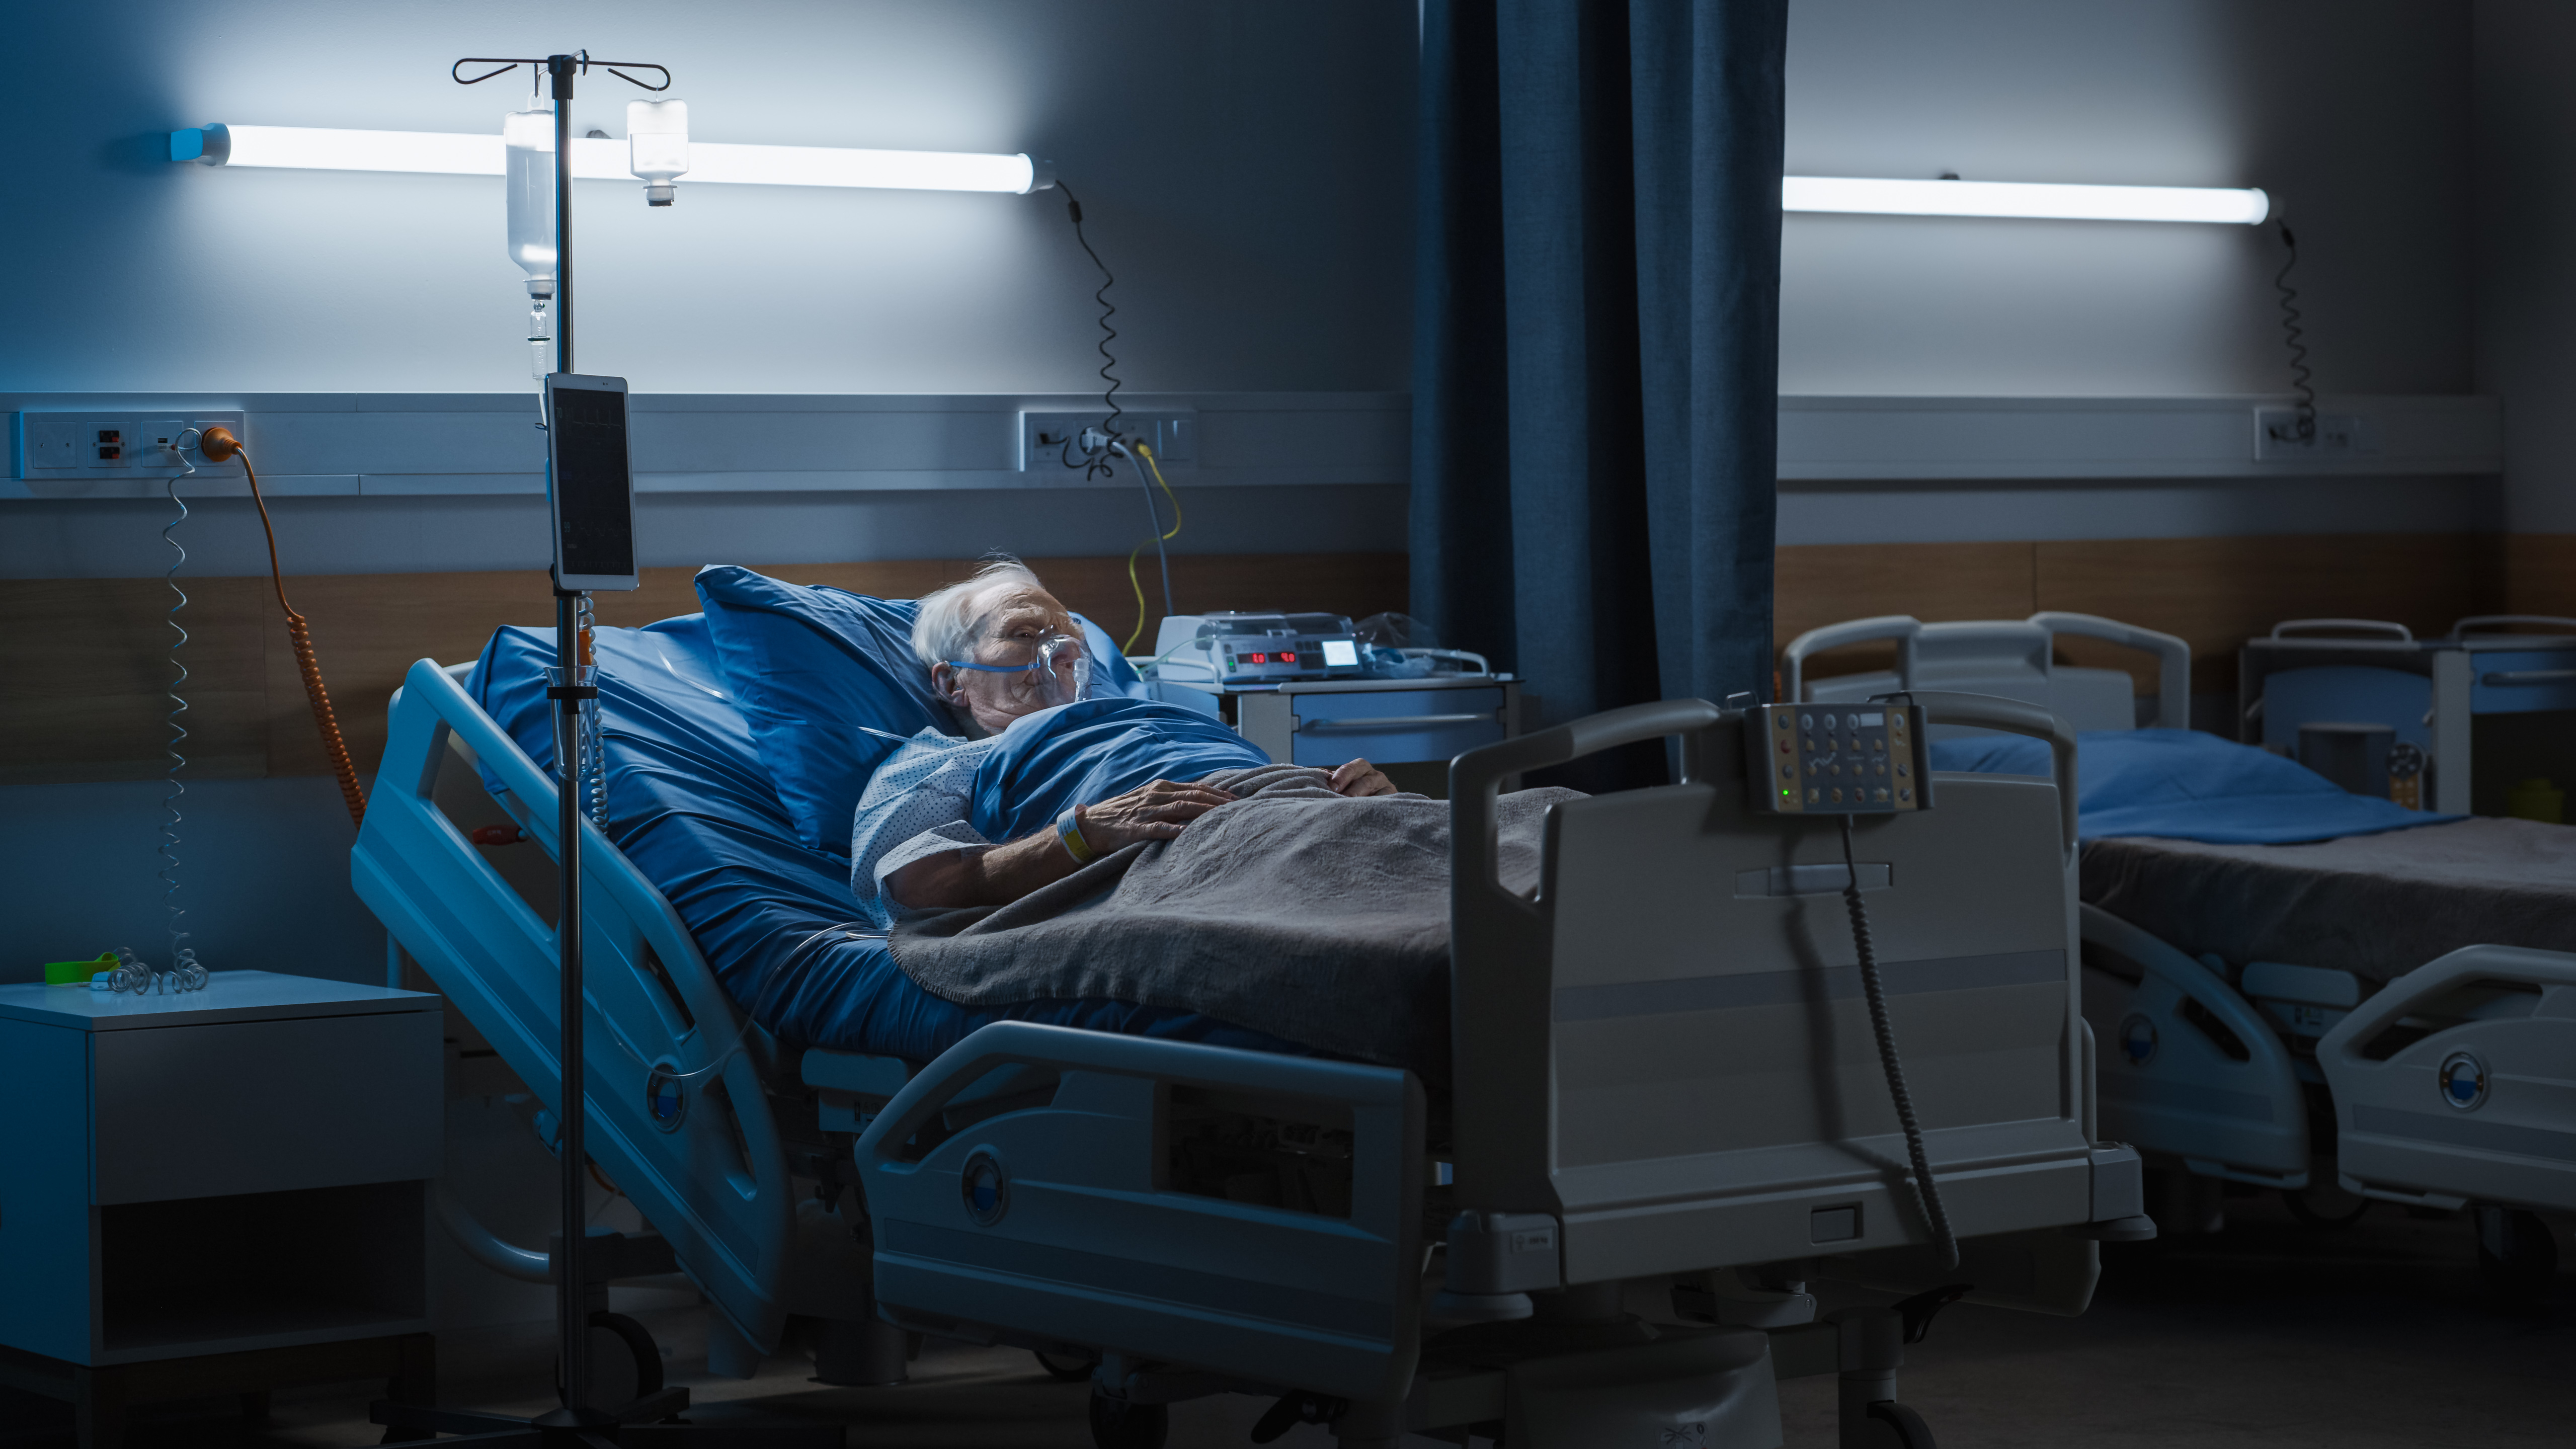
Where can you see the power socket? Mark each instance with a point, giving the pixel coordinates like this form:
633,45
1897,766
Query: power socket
154,443
50,445
107,445
1047,438
2338,435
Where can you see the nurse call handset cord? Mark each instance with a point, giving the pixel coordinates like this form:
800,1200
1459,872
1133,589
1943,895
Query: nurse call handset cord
1891,1061
220,446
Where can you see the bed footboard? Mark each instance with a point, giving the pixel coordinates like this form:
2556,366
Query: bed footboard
1160,1200
2457,1082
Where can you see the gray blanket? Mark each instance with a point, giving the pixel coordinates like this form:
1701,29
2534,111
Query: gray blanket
1293,911
2375,905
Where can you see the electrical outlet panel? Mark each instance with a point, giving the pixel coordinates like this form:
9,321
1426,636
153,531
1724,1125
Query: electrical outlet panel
1048,439
2337,435
120,450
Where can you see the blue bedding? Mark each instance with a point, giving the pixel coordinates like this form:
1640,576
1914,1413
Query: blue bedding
2189,785
691,805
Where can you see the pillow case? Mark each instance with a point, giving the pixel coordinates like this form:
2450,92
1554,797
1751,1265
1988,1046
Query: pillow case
815,669
2188,785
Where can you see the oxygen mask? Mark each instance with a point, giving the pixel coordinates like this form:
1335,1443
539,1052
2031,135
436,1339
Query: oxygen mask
1035,673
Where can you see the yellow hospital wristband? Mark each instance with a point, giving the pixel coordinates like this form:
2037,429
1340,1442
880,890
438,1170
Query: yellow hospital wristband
1068,828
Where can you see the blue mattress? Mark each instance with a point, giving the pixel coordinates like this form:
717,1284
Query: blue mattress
690,805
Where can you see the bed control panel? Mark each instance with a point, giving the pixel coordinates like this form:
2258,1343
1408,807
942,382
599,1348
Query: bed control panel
1840,759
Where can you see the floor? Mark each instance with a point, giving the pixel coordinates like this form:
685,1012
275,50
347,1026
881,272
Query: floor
2269,1334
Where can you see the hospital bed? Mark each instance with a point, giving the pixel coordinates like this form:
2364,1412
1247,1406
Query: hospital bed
2277,1014
1664,1084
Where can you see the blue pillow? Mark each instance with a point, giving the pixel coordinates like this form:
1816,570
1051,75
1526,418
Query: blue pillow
2188,785
814,669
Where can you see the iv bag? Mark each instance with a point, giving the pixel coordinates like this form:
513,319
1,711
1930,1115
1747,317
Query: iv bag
528,140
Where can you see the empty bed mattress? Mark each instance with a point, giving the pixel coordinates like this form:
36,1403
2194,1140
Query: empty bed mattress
2375,905
691,805
2226,849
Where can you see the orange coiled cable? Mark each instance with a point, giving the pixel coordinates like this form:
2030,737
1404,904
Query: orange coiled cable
220,446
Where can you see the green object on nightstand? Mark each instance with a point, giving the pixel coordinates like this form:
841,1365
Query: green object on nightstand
78,973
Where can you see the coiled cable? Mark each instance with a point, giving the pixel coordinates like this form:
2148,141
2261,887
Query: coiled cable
221,446
1096,464
2296,337
181,956
1925,1188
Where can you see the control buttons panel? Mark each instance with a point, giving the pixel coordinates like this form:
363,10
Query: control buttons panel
1810,759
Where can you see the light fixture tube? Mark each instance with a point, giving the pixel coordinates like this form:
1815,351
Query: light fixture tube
317,149
2025,199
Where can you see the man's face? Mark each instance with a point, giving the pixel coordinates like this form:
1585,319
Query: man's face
1020,625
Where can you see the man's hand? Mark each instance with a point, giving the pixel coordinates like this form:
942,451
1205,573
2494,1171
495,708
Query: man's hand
1359,777
1154,811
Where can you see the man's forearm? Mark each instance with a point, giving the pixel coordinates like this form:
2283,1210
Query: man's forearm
983,877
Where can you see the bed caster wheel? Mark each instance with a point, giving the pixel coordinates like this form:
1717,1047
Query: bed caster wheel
1124,1424
1066,1370
2517,1255
2323,1203
1892,1425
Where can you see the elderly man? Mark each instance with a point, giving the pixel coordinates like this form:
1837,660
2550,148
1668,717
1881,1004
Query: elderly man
1004,653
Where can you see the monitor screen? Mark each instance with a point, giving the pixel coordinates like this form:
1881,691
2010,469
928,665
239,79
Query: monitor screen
594,496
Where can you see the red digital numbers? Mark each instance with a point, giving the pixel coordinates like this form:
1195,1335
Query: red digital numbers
1256,658
1288,657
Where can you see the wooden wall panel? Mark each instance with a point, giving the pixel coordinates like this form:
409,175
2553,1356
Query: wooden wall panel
83,667
82,660
2540,574
2218,592
1819,584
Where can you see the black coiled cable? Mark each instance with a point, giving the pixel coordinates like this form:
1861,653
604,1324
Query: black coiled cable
1925,1188
1096,464
2295,336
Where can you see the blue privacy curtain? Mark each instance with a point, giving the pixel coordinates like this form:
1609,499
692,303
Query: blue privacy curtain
1596,346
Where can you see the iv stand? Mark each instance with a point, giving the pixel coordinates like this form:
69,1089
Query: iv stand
578,1422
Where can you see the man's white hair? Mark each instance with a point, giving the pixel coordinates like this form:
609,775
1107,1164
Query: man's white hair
945,628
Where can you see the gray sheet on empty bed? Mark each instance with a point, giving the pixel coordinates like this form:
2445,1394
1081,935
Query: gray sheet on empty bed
1293,911
2375,905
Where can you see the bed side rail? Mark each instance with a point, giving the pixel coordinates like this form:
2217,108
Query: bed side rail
715,1181
1793,660
2453,1083
2173,658
2188,1067
1094,1213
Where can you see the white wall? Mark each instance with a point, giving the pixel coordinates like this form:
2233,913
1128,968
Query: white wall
2526,162
2355,112
1243,169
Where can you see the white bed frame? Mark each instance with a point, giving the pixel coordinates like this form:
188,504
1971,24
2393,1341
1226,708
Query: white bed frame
1664,1080
2207,1064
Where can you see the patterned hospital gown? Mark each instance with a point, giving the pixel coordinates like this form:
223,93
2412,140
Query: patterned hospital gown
916,805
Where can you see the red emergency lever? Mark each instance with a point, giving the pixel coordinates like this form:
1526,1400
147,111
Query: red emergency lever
497,835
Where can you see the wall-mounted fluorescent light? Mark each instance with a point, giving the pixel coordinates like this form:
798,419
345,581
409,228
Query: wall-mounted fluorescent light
310,148
2017,198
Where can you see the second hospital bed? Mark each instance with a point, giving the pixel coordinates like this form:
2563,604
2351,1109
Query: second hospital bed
1657,1083
2387,1012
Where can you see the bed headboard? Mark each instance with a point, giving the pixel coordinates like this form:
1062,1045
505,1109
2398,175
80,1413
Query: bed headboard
2010,658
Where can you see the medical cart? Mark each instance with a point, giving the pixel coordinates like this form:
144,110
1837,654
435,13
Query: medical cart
219,1192
1411,728
2441,697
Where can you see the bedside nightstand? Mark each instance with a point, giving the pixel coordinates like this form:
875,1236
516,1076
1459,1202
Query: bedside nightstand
216,1192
